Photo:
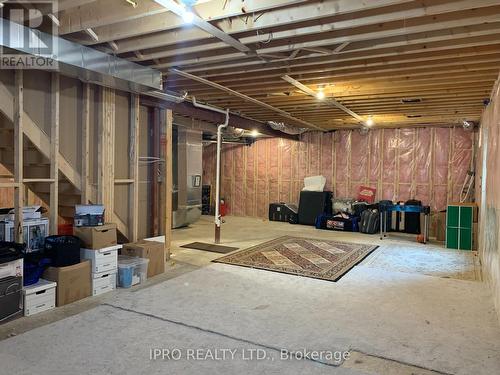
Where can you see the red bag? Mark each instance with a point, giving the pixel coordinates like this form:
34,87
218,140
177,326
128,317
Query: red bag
367,194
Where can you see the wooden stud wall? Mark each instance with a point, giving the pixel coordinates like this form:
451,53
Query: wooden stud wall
18,154
106,153
54,155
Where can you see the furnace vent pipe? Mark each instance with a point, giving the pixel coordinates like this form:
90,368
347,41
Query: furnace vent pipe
218,220
217,178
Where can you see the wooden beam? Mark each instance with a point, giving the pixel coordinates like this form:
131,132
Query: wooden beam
54,154
6,185
134,169
310,13
18,118
34,133
205,26
247,98
106,153
85,186
321,38
34,180
143,20
168,183
155,194
329,100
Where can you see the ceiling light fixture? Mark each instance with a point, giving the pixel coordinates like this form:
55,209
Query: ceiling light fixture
321,94
369,121
255,133
188,16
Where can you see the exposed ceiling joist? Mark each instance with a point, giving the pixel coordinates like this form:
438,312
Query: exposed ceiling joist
252,21
421,41
124,21
247,98
204,25
326,100
341,36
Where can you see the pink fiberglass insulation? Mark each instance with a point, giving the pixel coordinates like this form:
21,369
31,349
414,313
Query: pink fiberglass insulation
428,164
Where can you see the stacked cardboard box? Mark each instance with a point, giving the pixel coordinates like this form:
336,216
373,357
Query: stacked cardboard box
151,250
73,282
99,246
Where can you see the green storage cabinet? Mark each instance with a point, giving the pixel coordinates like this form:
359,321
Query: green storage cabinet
459,226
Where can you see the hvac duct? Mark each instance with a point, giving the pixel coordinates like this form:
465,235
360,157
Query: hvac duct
84,63
292,130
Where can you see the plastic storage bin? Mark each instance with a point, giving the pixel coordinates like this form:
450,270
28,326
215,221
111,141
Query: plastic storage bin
63,250
131,270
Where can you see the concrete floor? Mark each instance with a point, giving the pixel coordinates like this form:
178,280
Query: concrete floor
406,309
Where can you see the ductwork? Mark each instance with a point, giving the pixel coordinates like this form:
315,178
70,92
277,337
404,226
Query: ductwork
292,130
84,63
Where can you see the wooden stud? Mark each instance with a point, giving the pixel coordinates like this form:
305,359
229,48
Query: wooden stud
134,168
86,191
54,155
106,153
18,155
168,183
153,172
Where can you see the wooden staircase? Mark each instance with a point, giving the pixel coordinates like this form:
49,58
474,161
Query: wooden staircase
37,166
37,163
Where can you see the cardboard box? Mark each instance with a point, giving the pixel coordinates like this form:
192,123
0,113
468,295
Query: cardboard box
73,282
150,250
97,237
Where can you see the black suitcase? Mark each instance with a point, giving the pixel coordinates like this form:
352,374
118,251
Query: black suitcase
412,219
359,207
283,212
312,204
370,221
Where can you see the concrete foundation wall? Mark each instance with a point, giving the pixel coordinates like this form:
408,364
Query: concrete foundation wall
428,164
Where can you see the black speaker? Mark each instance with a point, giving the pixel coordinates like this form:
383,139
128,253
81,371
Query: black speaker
312,204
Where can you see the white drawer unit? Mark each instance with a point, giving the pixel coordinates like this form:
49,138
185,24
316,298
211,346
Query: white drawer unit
39,297
103,260
103,282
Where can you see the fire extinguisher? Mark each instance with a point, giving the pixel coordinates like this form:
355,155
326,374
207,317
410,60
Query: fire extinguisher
223,208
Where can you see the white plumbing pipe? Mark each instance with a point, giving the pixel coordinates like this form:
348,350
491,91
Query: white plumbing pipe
209,107
217,176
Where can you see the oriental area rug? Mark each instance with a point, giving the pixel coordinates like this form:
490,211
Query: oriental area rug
319,259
